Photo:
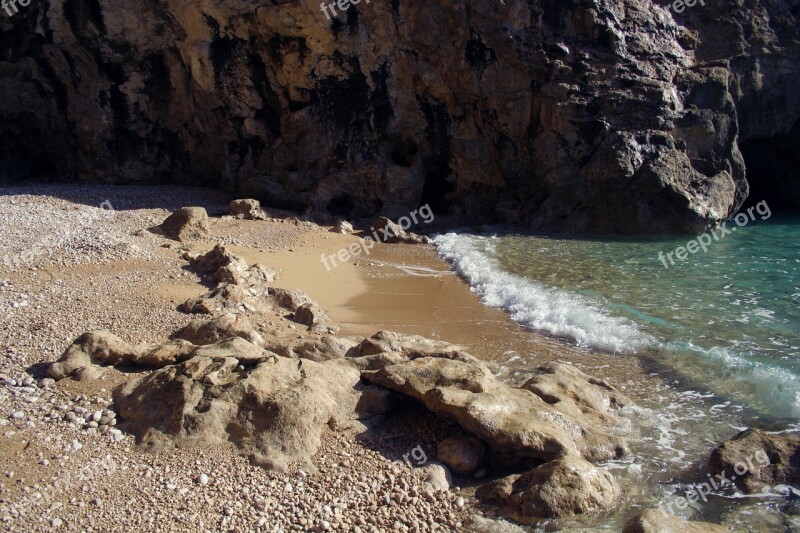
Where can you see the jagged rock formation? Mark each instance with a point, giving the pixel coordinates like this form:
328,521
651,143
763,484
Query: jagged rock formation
755,460
594,116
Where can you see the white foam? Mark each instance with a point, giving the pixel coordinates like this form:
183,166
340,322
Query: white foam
535,305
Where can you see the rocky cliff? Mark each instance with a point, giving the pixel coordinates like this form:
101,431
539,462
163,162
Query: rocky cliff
572,115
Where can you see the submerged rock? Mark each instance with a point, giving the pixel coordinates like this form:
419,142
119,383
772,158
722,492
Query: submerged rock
754,459
187,223
557,489
658,521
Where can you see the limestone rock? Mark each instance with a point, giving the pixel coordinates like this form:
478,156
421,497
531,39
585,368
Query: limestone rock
316,348
757,459
274,410
227,297
229,325
578,395
95,349
343,227
517,425
187,223
375,400
313,316
436,476
248,209
573,122
411,346
463,455
558,489
658,521
288,299
223,265
388,231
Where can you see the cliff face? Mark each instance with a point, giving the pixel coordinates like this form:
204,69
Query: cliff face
583,115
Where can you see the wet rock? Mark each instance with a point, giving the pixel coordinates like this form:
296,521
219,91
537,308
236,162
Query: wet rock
248,210
187,223
757,459
229,325
558,489
462,454
658,521
275,411
578,395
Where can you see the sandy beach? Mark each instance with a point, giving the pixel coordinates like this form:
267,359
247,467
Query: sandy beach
117,275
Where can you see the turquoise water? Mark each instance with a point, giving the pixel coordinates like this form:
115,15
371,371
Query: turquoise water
726,319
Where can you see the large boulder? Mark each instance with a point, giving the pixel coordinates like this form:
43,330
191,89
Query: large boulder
229,325
187,223
85,357
558,489
248,210
658,521
754,459
518,426
275,410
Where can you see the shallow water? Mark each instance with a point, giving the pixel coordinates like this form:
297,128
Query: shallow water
722,329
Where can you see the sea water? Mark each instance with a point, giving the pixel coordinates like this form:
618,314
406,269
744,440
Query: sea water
723,323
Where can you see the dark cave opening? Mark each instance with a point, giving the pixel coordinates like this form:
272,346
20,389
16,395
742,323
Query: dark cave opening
773,169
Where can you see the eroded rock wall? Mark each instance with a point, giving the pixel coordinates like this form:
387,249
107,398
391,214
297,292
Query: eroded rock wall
589,115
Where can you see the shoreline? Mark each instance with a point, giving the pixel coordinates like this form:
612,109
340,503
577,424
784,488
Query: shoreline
132,286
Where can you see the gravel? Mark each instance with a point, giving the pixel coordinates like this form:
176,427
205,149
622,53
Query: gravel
63,462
